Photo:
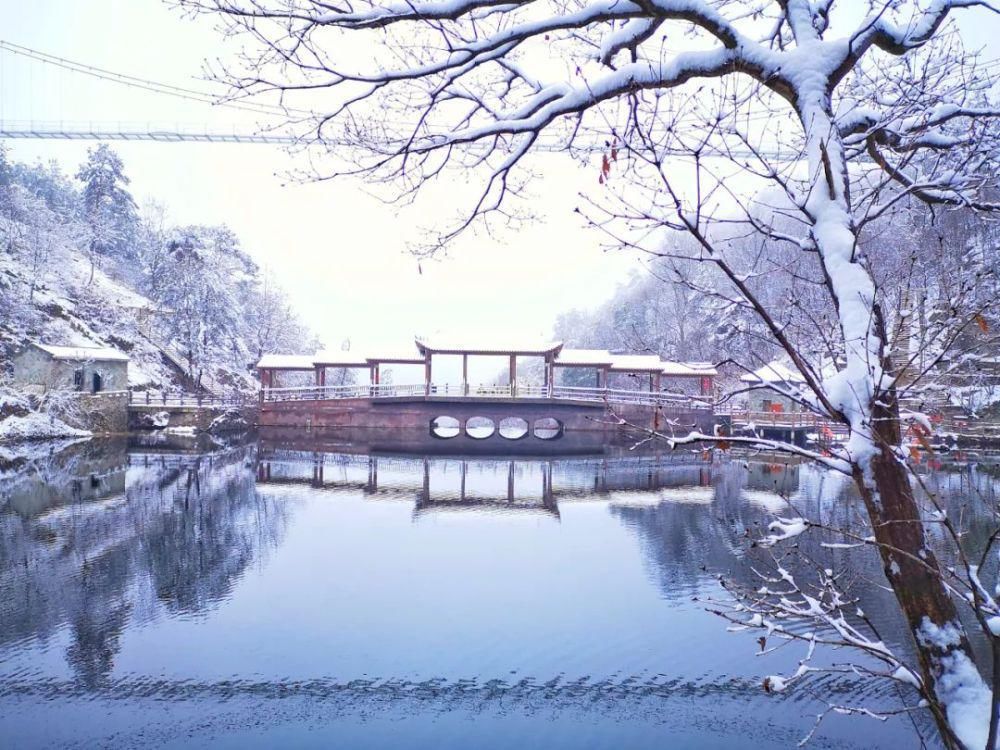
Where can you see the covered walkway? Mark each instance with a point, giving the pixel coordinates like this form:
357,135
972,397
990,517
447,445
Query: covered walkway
649,379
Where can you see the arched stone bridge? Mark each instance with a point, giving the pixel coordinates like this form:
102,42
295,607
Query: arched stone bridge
316,410
640,389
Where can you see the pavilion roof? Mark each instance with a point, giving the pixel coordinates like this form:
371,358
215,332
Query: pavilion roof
285,362
525,347
636,363
340,359
689,369
584,358
402,356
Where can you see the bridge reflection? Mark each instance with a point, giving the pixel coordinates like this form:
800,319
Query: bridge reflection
539,484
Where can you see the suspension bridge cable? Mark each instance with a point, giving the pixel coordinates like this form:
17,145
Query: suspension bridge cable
156,87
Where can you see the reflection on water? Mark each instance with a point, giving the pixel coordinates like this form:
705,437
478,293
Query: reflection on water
260,596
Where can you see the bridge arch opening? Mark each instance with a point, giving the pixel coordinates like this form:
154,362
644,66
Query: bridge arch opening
513,428
548,428
480,428
445,427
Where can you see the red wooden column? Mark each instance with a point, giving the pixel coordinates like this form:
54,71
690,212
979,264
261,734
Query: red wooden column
465,374
427,374
513,374
656,382
319,376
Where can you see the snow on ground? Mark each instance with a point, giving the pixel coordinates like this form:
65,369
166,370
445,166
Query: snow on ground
36,426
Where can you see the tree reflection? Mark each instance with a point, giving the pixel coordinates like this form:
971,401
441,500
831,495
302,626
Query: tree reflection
102,536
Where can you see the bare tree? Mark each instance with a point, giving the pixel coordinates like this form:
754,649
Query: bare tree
843,115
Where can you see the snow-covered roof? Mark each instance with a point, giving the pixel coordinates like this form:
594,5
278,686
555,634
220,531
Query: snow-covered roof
584,358
84,353
636,363
402,356
339,359
773,372
487,347
692,369
285,362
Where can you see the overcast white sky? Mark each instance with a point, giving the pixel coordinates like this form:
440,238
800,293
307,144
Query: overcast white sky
340,253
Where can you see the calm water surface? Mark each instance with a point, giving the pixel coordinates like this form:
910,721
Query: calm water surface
256,596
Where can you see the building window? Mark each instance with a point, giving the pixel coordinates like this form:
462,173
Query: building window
98,382
78,379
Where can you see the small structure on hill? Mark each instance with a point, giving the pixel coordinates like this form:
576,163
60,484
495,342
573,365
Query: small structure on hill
774,380
87,369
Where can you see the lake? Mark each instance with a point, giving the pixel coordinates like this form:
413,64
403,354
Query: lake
263,595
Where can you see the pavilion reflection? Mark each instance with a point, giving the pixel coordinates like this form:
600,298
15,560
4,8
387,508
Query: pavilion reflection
436,483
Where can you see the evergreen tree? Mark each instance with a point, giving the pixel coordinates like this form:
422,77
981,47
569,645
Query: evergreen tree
108,206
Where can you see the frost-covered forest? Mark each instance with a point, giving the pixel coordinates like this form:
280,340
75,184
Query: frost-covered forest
927,265
82,263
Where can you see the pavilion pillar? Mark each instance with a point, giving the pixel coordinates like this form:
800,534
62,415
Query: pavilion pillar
465,374
656,382
319,376
513,374
427,374
602,378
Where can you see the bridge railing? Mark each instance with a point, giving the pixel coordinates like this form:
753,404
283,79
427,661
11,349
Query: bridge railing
793,420
626,396
166,398
470,390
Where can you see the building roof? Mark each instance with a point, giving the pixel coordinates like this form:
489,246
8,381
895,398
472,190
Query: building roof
636,363
689,369
773,372
584,358
339,359
83,353
525,347
406,356
285,362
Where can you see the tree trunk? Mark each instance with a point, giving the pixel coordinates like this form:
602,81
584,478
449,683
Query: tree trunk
910,565
881,476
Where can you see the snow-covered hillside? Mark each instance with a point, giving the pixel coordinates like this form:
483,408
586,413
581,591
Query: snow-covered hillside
79,265
68,310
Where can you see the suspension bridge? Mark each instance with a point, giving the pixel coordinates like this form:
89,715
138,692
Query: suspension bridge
275,130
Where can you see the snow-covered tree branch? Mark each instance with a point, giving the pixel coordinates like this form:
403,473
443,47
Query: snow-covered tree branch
793,129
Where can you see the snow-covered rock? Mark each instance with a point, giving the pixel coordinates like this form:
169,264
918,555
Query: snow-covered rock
229,421
155,421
